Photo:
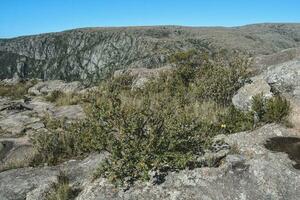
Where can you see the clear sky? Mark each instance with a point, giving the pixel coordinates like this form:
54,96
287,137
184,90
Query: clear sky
24,17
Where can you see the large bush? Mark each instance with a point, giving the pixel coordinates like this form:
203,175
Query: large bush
151,136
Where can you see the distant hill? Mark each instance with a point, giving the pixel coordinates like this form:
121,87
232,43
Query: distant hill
89,53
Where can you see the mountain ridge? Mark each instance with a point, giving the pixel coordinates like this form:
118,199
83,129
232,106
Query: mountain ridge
90,53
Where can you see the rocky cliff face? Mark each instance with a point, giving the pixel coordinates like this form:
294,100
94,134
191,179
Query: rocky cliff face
89,54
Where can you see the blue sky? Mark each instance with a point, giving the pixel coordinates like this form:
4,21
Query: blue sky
25,17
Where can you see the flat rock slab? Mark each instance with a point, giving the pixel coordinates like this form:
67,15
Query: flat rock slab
17,123
47,87
15,184
35,183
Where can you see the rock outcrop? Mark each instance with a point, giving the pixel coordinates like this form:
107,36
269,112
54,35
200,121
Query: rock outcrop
47,87
35,183
20,120
243,99
283,78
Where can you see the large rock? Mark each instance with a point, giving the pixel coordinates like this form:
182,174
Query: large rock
80,172
15,184
284,77
255,174
35,183
16,124
47,87
17,117
16,153
17,157
243,99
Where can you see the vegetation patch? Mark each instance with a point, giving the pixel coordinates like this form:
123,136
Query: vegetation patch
275,109
16,91
166,126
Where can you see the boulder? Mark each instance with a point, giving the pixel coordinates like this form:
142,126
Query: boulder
243,99
80,172
19,156
284,77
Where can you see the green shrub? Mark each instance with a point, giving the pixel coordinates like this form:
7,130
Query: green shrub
220,83
122,82
258,105
62,190
54,147
187,63
275,109
57,145
146,139
235,120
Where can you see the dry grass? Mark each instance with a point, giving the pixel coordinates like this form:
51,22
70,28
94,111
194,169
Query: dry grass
16,91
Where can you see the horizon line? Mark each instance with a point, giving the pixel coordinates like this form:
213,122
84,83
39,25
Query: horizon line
143,26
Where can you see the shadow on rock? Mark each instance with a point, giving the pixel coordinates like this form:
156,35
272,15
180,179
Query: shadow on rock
289,145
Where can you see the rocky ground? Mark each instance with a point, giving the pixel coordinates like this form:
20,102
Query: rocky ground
253,168
22,119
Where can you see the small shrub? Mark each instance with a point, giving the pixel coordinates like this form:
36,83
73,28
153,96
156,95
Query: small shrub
258,105
275,109
56,145
53,96
62,190
187,63
235,120
122,82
